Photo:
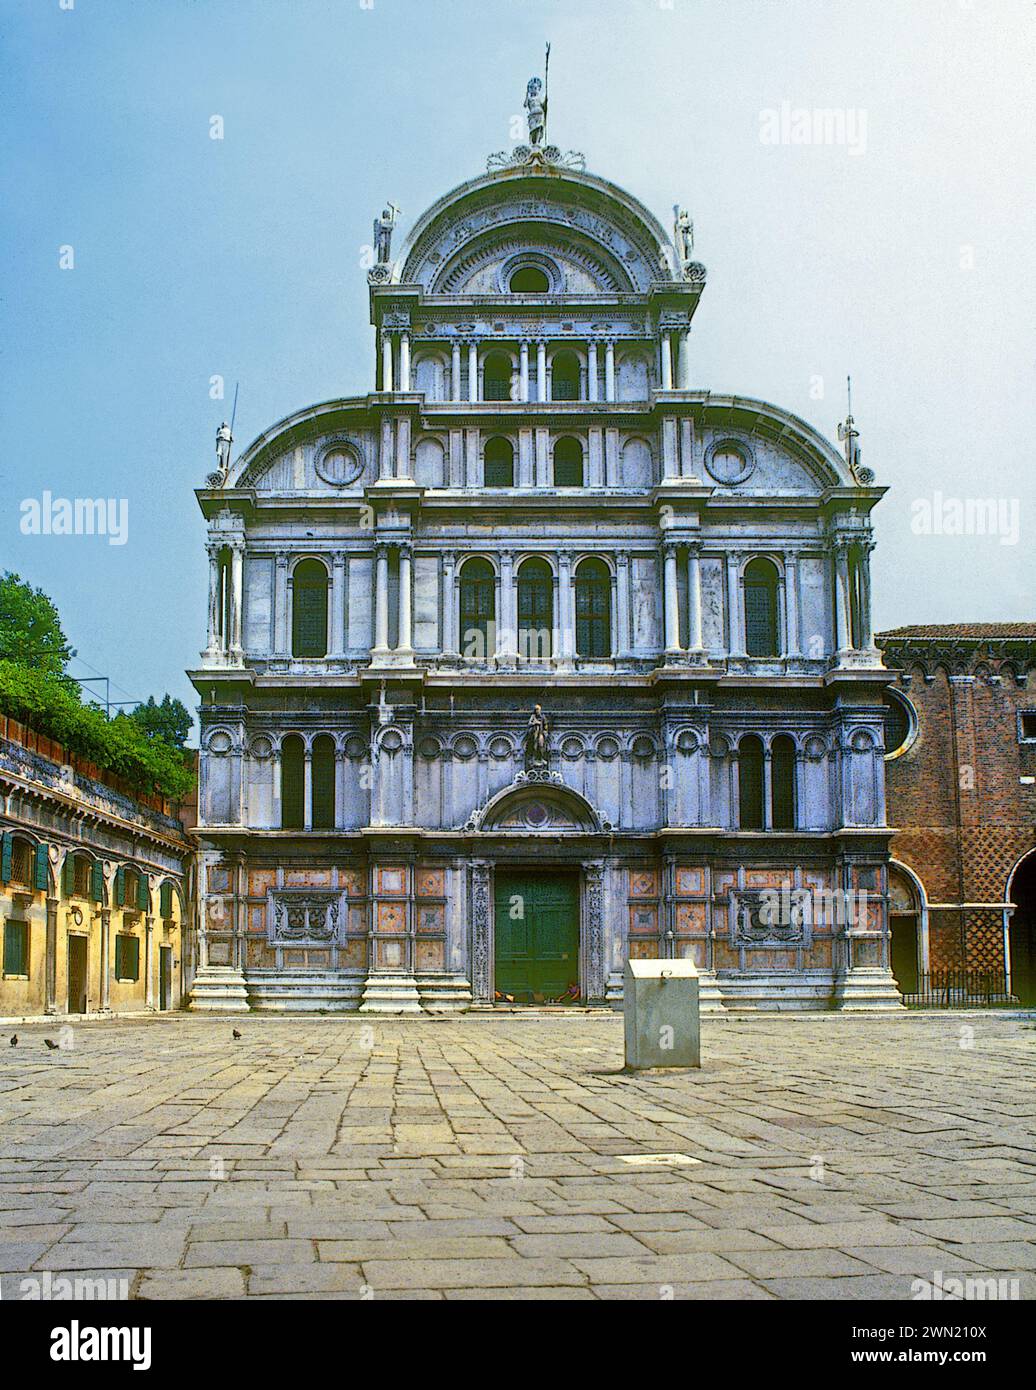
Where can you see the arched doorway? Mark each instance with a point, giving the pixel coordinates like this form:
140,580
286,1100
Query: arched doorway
1022,931
905,928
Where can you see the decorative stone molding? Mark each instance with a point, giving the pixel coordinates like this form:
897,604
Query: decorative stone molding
481,932
593,899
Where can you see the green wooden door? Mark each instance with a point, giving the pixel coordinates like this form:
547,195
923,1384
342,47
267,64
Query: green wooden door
537,935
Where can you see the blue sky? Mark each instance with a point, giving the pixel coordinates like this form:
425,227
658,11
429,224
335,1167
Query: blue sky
907,262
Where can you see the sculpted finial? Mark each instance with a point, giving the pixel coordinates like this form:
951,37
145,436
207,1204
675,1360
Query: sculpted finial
536,105
383,226
850,437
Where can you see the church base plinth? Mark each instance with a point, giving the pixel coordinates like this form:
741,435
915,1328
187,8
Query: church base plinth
219,989
443,994
390,994
867,989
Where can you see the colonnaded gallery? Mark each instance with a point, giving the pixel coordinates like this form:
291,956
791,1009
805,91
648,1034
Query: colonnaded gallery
539,655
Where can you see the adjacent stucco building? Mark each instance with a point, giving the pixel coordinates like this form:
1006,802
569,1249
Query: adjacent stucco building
538,503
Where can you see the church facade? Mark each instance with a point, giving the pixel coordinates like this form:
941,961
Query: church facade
539,656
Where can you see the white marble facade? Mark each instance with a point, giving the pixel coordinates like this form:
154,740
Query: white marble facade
703,579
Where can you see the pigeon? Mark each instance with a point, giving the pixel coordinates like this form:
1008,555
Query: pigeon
14,1039
237,1034
52,1046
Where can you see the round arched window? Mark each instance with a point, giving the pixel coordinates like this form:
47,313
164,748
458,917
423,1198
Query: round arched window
529,279
900,723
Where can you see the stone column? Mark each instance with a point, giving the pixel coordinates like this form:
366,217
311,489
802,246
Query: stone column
541,369
149,962
403,469
767,787
336,646
507,635
791,605
52,956
592,384
684,359
864,578
280,604
106,984
523,370
667,360
694,623
381,598
472,371
237,572
307,788
404,361
672,615
622,604
213,644
566,598
843,630
455,372
386,360
609,370
406,598
735,645
275,800
386,452
449,603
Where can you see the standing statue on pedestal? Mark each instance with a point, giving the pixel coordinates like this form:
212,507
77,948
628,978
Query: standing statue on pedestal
537,742
383,227
683,229
224,439
536,111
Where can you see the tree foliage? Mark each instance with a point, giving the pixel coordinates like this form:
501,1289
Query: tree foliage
168,721
30,627
145,748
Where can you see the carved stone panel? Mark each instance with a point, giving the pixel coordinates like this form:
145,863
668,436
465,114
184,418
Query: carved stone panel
303,916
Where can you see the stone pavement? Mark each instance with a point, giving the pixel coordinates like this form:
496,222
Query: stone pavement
838,1156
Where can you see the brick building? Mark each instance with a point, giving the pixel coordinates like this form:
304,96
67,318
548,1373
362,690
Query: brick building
961,790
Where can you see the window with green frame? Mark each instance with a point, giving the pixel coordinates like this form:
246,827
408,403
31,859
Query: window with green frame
16,948
127,958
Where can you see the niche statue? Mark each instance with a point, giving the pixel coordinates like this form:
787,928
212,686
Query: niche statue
537,742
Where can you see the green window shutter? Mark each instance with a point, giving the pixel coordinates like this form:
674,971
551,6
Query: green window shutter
16,948
166,899
97,882
68,876
42,869
120,886
143,896
127,958
6,857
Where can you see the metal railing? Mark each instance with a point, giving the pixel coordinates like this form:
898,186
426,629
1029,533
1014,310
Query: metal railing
959,989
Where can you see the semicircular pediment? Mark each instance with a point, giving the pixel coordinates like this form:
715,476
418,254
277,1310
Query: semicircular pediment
614,235
539,808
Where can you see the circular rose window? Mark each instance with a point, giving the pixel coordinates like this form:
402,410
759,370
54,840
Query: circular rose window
339,464
729,461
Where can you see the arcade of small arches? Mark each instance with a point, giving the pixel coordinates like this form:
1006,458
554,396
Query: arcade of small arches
534,371
766,772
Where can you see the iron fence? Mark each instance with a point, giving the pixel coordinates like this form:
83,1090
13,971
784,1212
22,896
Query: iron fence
960,989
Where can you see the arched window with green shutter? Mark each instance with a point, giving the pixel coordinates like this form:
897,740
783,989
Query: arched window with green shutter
309,609
165,899
6,857
120,886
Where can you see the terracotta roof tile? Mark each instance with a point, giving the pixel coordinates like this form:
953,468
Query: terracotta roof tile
976,632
